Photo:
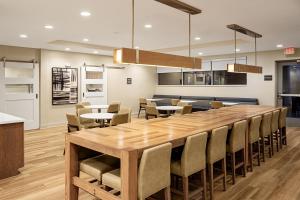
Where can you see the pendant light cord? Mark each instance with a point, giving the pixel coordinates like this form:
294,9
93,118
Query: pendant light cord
132,39
189,35
255,51
235,47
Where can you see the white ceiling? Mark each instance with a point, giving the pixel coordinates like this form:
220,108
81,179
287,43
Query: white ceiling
110,25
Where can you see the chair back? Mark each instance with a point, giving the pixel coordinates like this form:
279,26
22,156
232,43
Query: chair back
174,102
275,121
237,136
193,157
216,104
73,123
282,117
85,103
151,111
216,146
78,106
151,103
254,129
265,127
125,110
143,102
113,107
82,111
186,109
119,119
154,170
181,104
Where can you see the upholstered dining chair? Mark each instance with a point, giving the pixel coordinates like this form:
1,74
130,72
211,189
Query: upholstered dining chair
237,144
186,109
174,102
216,152
126,110
152,177
142,104
254,139
87,123
78,106
114,107
73,123
216,104
119,119
282,126
85,103
275,128
151,103
193,160
265,134
151,112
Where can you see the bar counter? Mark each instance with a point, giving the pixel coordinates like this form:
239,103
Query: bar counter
127,142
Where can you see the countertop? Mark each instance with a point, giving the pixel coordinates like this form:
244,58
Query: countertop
290,95
9,119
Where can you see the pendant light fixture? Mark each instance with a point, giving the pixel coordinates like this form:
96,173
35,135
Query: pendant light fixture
150,58
244,67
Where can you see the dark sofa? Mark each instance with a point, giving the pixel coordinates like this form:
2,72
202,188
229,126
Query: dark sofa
203,103
166,99
248,101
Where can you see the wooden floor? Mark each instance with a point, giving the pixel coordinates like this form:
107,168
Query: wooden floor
43,174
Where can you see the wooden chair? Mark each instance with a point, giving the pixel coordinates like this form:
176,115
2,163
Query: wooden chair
126,110
216,104
216,152
265,134
186,109
152,112
85,103
151,103
193,160
174,102
87,123
143,104
282,126
78,106
114,107
119,119
153,173
237,144
73,123
253,139
275,128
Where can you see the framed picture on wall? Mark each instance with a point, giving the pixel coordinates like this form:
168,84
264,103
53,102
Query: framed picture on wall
64,86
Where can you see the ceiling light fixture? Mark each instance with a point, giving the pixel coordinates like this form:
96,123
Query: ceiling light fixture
197,38
148,26
149,58
85,14
48,27
137,47
95,52
67,49
85,40
279,45
200,53
244,68
23,36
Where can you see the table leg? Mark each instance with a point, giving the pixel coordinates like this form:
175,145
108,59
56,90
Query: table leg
129,170
71,170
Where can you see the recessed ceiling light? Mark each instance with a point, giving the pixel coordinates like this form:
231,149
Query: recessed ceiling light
85,13
67,49
23,36
200,53
137,47
237,50
279,45
95,52
48,27
197,38
148,26
85,40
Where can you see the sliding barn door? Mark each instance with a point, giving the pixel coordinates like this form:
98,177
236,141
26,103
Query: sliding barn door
20,86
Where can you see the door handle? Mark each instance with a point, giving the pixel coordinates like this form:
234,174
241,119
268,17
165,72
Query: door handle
36,95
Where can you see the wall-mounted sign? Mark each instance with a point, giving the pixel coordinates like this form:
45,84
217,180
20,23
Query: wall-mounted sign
268,77
289,51
129,81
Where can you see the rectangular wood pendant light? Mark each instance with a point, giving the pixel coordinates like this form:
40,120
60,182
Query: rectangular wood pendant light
242,68
181,6
150,58
244,31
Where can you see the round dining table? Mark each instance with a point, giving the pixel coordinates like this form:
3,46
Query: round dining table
98,107
169,108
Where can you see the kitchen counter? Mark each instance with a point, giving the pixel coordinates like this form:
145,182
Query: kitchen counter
9,119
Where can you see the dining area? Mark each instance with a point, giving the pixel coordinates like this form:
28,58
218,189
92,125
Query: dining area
195,150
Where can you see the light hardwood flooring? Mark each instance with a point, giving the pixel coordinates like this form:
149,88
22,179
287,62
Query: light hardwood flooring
43,174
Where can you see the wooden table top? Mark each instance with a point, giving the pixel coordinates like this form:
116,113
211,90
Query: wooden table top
145,134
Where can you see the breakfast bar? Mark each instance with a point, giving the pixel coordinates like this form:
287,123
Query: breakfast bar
128,141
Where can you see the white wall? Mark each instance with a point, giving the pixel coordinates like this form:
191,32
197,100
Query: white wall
256,87
143,83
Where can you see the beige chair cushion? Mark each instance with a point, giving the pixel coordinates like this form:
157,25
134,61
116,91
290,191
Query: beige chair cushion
99,165
237,136
112,179
193,157
275,121
282,117
151,110
82,111
186,109
119,119
216,104
113,107
73,123
216,146
126,110
174,102
265,127
254,129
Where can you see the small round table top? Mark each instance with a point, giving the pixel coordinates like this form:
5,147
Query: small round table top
97,106
188,101
97,116
154,99
169,108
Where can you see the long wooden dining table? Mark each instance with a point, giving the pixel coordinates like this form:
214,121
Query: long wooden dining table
128,141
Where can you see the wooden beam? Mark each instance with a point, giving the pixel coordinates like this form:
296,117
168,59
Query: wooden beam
242,68
184,7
